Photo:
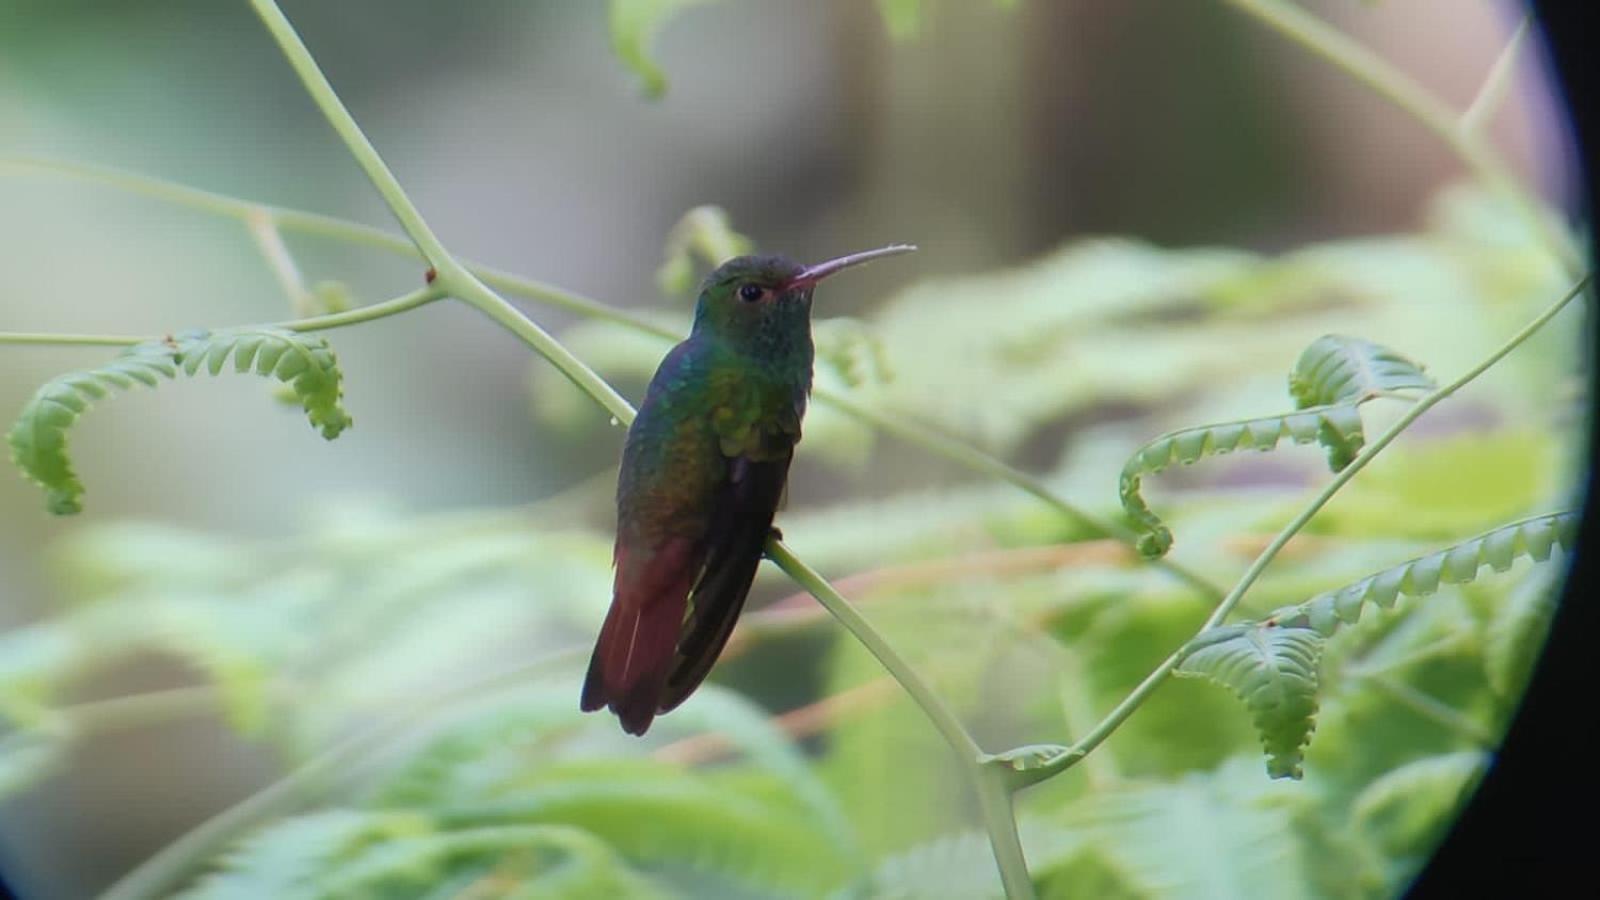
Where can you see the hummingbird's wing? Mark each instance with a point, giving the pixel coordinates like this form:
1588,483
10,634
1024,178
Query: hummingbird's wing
733,545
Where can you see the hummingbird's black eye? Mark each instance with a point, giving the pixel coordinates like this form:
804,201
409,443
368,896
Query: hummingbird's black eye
750,293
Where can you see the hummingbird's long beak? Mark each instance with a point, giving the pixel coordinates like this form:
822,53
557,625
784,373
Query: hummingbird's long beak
816,273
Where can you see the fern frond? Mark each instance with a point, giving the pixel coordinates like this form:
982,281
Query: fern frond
1189,445
1340,369
288,859
526,861
1405,810
1336,369
657,814
1534,538
1330,381
1273,669
1271,665
305,363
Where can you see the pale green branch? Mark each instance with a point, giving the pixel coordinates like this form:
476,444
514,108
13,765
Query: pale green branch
278,258
1497,83
366,156
1435,710
68,340
1432,113
316,224
369,313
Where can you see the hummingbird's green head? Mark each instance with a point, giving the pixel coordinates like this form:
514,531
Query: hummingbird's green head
757,299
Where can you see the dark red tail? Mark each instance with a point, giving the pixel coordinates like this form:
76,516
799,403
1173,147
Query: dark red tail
638,642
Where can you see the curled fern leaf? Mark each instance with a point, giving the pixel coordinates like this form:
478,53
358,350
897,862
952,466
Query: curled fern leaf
1273,669
1331,380
1338,369
306,364
1534,538
1192,444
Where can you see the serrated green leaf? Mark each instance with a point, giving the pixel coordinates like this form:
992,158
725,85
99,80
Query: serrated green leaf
289,859
1535,538
38,439
1274,671
1189,445
1406,810
529,861
1332,378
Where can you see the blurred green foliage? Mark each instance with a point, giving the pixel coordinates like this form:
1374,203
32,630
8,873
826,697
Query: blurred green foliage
439,656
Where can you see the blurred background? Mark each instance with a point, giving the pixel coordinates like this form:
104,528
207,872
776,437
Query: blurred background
992,137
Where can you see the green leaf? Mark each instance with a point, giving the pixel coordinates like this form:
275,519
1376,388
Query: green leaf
523,861
1274,671
1340,424
1222,833
1534,538
39,438
289,859
664,815
1406,810
1517,631
634,26
1340,370
1090,873
1438,488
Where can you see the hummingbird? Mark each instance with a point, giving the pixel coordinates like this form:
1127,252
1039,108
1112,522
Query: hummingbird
703,470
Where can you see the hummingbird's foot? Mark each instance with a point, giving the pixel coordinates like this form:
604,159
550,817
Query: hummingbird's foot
775,533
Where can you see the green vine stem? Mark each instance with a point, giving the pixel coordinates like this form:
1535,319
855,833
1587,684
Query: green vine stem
269,241
453,278
1497,83
450,275
368,313
949,726
1432,113
1071,755
316,224
68,340
994,794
